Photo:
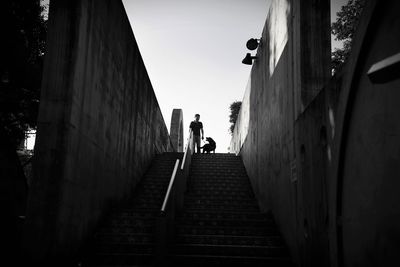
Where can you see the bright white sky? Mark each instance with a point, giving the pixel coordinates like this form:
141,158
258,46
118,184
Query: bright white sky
193,50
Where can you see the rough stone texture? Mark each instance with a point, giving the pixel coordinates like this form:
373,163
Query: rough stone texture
291,67
336,193
176,130
99,125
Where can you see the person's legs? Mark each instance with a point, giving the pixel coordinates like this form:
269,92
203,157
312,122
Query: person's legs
198,146
196,141
192,144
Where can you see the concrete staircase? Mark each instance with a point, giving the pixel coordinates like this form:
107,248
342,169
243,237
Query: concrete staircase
221,224
126,238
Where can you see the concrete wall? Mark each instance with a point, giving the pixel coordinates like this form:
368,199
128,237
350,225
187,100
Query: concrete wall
279,89
365,168
329,172
176,129
99,125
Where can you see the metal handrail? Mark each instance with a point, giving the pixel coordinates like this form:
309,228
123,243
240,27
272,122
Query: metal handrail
172,205
187,149
171,183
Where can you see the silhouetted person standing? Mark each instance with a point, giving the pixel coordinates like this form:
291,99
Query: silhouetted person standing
197,127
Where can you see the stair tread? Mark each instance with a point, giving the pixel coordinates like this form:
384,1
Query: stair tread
123,253
224,246
231,227
227,213
234,257
223,220
234,236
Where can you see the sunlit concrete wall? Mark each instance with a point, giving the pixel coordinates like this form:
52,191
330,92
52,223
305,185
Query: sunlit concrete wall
329,173
176,129
292,65
99,125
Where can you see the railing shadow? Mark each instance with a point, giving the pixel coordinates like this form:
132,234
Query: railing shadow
172,205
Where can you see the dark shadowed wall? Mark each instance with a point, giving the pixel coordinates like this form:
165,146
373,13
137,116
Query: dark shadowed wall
325,156
365,168
99,125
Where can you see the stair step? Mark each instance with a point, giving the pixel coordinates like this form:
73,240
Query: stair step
154,185
157,178
231,240
233,168
222,187
213,181
212,260
144,248
230,250
212,157
225,201
138,213
210,161
194,214
200,222
148,200
221,193
234,231
229,167
219,175
139,238
130,221
121,259
133,211
149,193
147,205
212,192
221,197
161,175
126,229
219,206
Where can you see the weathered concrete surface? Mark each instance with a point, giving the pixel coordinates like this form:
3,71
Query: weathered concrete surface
330,172
176,130
99,125
291,67
365,169
309,180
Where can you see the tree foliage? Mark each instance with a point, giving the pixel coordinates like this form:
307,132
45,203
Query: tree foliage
21,57
234,113
344,28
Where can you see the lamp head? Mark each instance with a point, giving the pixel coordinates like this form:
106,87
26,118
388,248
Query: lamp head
248,59
252,44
